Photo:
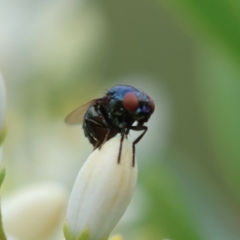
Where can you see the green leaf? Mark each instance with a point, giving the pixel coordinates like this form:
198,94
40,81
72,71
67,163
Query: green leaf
2,175
106,238
213,19
2,234
2,134
67,232
168,210
219,88
84,235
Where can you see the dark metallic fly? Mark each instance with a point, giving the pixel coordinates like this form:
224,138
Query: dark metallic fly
116,112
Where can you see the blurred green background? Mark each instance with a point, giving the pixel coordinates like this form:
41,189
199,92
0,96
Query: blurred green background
57,55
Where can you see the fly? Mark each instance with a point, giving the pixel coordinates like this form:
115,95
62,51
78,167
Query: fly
116,112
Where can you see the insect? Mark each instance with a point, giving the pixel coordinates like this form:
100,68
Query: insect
116,112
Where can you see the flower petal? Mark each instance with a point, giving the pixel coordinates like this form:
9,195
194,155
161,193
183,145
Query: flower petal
102,190
35,211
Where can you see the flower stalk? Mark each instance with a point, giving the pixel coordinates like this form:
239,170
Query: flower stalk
3,97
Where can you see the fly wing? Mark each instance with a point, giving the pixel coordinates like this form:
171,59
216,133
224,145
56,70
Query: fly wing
77,115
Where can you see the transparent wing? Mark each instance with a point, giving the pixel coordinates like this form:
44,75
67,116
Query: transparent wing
77,115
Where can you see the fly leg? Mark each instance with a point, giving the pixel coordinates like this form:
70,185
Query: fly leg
101,113
120,147
137,128
105,139
98,143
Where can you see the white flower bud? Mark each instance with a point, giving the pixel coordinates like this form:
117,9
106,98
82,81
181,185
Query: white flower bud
102,192
35,212
11,237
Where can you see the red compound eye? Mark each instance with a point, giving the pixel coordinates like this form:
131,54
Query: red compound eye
151,103
130,102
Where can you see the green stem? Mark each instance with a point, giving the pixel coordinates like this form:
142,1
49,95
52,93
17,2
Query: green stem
2,234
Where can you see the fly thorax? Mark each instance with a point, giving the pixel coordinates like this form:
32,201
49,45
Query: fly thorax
118,119
118,115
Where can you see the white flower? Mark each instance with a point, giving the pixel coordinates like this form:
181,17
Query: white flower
35,212
11,237
102,192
